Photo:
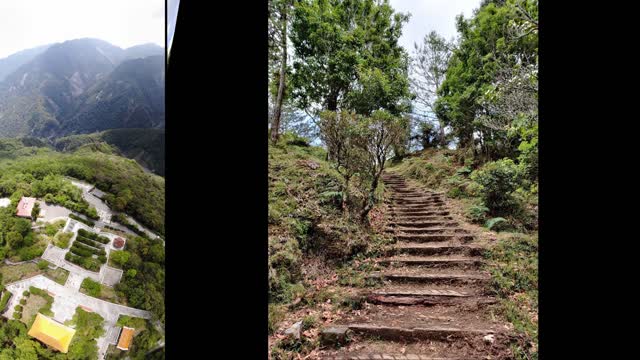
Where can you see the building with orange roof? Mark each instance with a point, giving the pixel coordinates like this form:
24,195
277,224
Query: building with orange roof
126,335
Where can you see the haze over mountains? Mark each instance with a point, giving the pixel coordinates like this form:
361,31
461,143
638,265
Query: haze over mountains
81,86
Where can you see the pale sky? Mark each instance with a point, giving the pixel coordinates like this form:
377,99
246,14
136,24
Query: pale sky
26,24
427,15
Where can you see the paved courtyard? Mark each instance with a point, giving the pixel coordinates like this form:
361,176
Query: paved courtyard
67,298
110,276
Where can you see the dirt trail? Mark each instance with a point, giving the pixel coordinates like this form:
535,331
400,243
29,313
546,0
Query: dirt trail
433,302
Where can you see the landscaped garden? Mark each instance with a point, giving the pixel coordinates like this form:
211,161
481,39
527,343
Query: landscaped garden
100,291
12,273
34,301
88,251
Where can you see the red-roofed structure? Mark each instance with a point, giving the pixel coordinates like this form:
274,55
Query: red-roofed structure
25,207
118,243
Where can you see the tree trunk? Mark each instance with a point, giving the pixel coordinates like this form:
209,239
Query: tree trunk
275,125
345,193
443,143
332,101
371,201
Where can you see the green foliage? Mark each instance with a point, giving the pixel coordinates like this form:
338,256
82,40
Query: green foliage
347,56
146,289
18,308
39,172
82,220
497,224
5,299
87,324
487,46
92,287
43,264
514,270
145,145
276,314
359,145
499,179
120,257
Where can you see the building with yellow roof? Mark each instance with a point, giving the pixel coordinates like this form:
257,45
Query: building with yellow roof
52,333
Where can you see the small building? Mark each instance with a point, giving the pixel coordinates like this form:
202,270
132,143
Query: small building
5,202
52,333
118,243
126,335
25,207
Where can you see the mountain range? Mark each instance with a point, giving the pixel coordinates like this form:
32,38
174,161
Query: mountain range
81,86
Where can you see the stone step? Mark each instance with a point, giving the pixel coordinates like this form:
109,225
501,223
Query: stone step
423,224
392,333
436,230
428,249
418,212
423,202
433,261
391,356
413,217
421,207
430,278
433,237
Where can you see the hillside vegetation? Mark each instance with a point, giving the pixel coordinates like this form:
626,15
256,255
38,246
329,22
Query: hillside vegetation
143,145
129,187
316,248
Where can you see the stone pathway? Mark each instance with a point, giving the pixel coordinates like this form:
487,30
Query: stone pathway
434,300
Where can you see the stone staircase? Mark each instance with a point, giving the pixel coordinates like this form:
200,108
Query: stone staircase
433,302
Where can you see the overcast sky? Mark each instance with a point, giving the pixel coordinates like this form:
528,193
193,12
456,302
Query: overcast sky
29,23
427,15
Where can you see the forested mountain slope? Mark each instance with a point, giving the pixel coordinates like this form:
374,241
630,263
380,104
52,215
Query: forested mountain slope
59,91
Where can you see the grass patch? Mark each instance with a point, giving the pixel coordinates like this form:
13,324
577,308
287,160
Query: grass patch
52,228
513,264
276,314
44,309
12,273
31,308
62,239
58,275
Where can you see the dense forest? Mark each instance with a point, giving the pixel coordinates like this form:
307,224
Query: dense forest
28,167
456,115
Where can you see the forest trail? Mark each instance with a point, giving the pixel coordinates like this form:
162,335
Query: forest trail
434,299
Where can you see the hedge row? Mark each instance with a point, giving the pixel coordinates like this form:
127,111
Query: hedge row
85,249
82,220
5,301
89,242
88,263
93,236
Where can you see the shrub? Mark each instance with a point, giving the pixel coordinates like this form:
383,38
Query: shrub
17,315
30,253
499,179
82,220
43,264
497,224
62,239
5,301
23,301
93,288
18,308
477,213
26,293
